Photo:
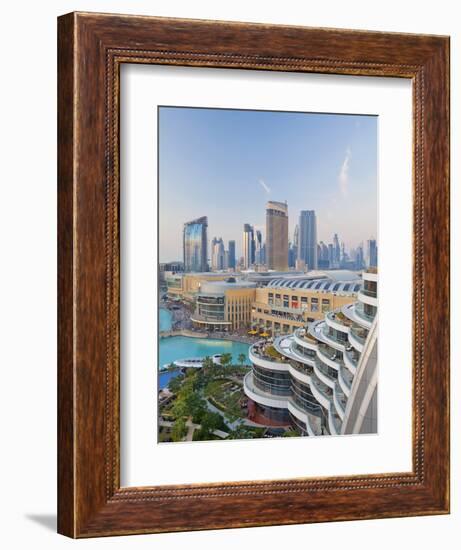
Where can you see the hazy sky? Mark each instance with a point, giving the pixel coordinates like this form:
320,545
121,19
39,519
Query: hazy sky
226,164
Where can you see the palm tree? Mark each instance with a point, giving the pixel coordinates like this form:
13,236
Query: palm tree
226,359
241,358
207,362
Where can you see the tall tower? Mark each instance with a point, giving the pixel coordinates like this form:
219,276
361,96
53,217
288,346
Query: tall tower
308,238
336,251
217,254
232,254
259,248
195,245
248,246
277,235
296,243
372,253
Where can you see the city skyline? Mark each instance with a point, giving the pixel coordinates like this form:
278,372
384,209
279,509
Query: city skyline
340,187
304,247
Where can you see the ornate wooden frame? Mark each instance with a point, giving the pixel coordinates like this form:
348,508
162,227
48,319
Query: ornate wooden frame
91,48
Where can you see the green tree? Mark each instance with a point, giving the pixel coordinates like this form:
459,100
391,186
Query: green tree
188,403
241,358
226,359
210,421
241,432
179,430
175,383
207,362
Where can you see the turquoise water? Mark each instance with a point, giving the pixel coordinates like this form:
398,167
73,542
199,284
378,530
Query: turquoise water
165,319
182,347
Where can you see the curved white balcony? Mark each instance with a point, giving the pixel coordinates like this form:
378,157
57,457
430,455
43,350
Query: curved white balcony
334,421
316,330
303,417
357,343
332,320
365,320
282,344
300,375
339,401
300,357
260,360
367,297
320,393
370,276
329,360
323,376
345,381
351,313
303,341
349,361
263,398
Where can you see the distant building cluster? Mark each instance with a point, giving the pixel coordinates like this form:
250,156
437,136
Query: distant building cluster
303,253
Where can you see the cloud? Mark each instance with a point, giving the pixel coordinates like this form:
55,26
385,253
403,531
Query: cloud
343,177
264,186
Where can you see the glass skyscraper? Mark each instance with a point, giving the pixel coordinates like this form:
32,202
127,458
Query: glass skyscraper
195,245
308,238
232,254
372,253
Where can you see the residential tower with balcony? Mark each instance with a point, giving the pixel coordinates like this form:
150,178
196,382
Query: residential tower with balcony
322,379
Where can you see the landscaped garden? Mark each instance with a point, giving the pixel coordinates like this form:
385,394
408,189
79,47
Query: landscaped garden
208,404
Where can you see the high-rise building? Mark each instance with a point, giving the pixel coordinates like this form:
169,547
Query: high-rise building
248,246
372,253
323,256
359,259
331,255
291,255
232,260
258,248
195,245
308,238
217,254
296,241
336,252
277,235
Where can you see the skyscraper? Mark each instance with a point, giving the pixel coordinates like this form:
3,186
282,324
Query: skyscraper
217,254
372,253
195,245
331,255
248,246
323,256
277,235
231,254
259,248
296,242
359,260
336,251
308,238
291,255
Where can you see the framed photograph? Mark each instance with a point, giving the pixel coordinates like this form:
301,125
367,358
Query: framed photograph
244,212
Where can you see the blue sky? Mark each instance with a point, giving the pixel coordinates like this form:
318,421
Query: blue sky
226,164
